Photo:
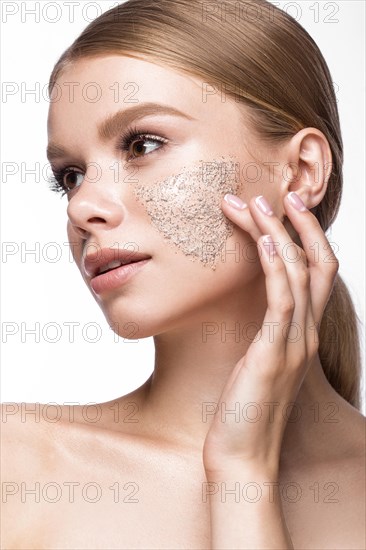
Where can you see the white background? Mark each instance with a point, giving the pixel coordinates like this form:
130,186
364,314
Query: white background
36,289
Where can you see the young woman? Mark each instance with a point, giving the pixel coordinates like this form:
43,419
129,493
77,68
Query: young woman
200,182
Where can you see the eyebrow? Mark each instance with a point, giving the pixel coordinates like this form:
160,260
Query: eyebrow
114,124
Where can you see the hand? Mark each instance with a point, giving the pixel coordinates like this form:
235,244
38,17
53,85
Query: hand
276,362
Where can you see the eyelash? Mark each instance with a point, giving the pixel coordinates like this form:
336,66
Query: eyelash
125,141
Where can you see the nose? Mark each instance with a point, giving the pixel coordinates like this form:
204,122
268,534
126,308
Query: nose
95,206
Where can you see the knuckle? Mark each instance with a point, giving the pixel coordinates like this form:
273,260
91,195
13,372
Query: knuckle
334,265
278,267
286,306
330,272
330,264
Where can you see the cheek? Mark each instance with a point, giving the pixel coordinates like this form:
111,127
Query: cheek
185,208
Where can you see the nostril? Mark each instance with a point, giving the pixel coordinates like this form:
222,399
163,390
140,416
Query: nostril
96,220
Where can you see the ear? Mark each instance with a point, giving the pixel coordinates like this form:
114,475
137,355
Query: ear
309,165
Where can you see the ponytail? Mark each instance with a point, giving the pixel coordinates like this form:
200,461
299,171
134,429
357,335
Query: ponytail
339,344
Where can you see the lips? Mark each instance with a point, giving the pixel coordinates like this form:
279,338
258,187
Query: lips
108,259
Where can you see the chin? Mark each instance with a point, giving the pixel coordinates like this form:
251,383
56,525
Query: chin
133,323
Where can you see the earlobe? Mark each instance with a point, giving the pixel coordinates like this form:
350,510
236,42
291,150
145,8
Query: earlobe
311,153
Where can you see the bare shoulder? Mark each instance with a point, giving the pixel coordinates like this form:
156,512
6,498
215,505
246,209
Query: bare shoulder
21,434
38,438
42,445
30,431
323,490
348,480
345,511
24,451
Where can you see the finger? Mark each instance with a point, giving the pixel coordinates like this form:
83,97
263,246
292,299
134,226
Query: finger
300,335
280,303
268,342
302,326
322,262
238,212
267,354
292,255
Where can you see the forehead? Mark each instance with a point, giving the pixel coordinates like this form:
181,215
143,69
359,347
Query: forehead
93,90
97,84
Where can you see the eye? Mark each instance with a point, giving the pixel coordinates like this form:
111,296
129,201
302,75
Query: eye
143,146
65,180
71,179
139,144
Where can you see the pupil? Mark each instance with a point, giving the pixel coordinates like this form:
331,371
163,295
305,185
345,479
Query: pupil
70,179
139,147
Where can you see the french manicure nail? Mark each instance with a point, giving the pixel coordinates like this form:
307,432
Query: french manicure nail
235,201
264,205
296,201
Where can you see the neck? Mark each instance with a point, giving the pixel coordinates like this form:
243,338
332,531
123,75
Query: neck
192,367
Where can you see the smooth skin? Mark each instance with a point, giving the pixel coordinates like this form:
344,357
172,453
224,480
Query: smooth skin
166,463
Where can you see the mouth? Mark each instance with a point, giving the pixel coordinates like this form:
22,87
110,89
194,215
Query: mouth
108,268
113,265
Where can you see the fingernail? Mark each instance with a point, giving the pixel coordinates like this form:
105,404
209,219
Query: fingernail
296,201
269,245
235,201
264,205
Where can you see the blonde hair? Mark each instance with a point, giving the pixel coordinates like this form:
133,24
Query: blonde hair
262,57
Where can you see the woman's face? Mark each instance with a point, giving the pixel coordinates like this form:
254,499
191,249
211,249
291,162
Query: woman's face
155,196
